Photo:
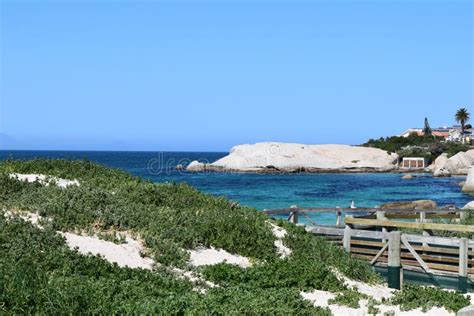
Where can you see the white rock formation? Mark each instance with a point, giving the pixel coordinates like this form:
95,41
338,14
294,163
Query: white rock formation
288,157
195,166
469,206
438,163
458,164
469,184
410,205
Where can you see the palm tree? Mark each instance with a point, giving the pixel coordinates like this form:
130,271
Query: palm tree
462,116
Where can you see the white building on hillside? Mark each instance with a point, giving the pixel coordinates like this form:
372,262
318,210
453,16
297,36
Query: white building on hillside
453,133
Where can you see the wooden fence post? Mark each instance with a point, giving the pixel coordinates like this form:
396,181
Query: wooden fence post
422,216
338,216
394,266
381,215
294,214
463,263
347,239
425,233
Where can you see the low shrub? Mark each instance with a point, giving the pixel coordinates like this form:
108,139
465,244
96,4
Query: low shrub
414,296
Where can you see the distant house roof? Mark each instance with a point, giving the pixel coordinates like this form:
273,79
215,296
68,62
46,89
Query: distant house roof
434,133
440,134
439,131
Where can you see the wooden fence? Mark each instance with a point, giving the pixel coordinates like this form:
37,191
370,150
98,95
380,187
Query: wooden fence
384,242
292,213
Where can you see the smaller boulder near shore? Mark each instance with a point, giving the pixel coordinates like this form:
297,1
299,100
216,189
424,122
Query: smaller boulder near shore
196,166
469,206
469,183
410,205
437,166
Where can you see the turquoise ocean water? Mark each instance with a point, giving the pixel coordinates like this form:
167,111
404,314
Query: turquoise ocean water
267,191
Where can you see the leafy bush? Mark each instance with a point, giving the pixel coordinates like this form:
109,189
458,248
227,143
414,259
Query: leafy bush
39,274
310,249
348,298
169,217
414,296
395,143
428,147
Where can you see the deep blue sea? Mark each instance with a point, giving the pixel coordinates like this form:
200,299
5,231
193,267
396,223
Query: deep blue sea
267,191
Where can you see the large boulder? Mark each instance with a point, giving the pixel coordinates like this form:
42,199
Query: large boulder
458,164
288,157
469,183
410,205
438,164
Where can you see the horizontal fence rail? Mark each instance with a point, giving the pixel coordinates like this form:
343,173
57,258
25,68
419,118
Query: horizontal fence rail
282,211
369,213
421,226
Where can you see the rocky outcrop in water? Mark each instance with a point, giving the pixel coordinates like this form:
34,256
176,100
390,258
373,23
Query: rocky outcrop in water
469,183
469,206
410,205
458,164
196,166
288,157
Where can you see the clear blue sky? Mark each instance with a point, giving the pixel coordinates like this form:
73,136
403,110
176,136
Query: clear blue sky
206,75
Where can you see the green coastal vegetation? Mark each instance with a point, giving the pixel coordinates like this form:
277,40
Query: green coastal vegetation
40,274
427,145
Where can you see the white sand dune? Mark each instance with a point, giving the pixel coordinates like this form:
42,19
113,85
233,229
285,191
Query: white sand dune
376,291
211,256
320,298
43,179
280,233
127,254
